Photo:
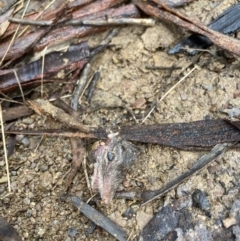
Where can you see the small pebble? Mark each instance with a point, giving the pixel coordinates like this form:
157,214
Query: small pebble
25,141
44,167
207,87
13,173
200,200
72,232
27,120
228,222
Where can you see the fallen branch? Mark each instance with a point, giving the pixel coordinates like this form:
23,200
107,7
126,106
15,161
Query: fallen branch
195,26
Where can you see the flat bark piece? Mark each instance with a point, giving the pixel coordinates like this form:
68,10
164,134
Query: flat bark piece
96,7
196,135
193,135
76,56
7,232
99,219
21,45
16,112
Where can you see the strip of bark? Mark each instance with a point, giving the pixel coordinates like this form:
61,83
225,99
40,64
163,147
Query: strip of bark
196,135
31,74
16,112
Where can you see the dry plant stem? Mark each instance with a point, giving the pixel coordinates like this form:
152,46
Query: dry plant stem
80,86
12,101
7,98
65,107
78,151
44,106
30,22
111,21
19,84
86,174
54,132
14,36
173,67
5,149
38,143
174,16
166,94
107,22
112,34
43,61
92,85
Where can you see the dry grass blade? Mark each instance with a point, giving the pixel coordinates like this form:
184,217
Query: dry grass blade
5,149
43,63
86,174
167,93
19,84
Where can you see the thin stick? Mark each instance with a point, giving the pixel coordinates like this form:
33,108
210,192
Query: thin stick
165,95
30,22
80,87
112,21
39,143
107,40
10,100
92,83
88,22
86,174
14,35
5,149
19,84
62,97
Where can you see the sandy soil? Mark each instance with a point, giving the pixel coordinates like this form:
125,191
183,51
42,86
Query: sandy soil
38,167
